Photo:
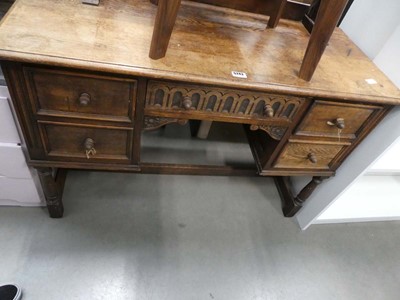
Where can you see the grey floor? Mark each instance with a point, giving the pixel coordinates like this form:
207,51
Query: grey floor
129,236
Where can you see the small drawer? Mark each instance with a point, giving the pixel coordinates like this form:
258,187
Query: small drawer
332,119
81,95
307,155
13,163
86,143
200,102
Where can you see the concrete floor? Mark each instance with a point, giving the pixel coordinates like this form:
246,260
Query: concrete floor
130,236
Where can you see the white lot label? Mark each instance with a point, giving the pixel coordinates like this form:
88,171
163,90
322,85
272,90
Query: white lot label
239,74
371,81
92,2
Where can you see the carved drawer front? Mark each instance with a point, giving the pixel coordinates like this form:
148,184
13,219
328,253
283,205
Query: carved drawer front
86,143
201,101
332,119
306,155
81,95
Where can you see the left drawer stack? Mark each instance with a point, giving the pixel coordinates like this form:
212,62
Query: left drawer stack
17,184
83,117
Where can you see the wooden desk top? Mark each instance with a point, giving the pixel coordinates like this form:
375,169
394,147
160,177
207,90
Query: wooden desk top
206,45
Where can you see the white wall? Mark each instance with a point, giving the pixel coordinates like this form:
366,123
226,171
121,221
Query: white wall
375,198
371,198
369,23
334,189
375,28
388,59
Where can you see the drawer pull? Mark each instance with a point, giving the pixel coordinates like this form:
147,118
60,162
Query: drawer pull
339,123
187,103
84,99
89,147
312,158
268,111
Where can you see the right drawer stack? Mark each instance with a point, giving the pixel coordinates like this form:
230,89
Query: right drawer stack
325,136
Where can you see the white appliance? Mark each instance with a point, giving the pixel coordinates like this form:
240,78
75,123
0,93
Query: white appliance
19,184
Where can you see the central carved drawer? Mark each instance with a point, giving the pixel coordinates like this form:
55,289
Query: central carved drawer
87,143
200,102
81,95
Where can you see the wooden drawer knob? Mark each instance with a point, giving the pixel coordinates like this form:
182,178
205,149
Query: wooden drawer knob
312,158
187,103
339,123
89,147
84,99
268,111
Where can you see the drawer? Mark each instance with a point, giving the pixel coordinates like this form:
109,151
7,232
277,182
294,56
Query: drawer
81,95
329,119
307,155
86,143
13,163
198,102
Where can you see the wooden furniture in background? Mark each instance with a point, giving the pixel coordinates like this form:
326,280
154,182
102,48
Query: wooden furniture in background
168,10
83,97
328,16
5,6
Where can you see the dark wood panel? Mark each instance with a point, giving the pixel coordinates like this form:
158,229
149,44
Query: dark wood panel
294,10
17,88
5,6
154,168
179,169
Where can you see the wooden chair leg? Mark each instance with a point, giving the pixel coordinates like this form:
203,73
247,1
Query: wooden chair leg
327,18
277,14
163,26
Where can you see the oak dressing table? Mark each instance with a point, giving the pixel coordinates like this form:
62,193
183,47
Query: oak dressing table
84,90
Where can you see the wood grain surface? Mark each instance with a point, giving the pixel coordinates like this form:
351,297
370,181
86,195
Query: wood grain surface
206,46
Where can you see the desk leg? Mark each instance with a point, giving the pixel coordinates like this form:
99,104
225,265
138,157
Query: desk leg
290,204
164,24
53,186
328,17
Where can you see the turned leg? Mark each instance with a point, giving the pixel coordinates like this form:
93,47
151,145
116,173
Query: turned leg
328,17
290,204
53,186
277,14
165,20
